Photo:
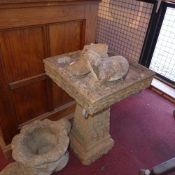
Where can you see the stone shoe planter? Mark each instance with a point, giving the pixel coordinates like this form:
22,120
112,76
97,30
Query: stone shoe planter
42,146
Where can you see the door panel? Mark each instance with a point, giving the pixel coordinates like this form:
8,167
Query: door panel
22,52
30,101
64,37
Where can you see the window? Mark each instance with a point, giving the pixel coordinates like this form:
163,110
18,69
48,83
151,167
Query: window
163,60
159,49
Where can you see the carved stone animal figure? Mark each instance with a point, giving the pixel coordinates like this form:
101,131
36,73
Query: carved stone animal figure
80,67
94,58
109,68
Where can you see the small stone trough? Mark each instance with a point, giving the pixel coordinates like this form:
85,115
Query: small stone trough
42,146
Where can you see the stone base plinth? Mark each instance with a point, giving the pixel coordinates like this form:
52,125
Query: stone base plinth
89,156
90,138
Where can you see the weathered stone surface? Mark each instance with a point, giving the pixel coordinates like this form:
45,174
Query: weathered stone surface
42,146
16,169
120,69
104,68
107,69
100,49
79,68
87,91
90,138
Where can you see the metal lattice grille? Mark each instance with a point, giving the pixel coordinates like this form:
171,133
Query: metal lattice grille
163,60
122,24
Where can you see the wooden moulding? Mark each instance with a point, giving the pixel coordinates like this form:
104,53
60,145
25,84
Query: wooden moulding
164,95
90,137
29,1
22,3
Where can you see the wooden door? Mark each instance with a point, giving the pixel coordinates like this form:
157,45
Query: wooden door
22,53
29,33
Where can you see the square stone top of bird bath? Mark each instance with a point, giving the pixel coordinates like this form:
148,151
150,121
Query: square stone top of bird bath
87,91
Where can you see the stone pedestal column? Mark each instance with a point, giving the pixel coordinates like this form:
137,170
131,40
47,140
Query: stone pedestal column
90,137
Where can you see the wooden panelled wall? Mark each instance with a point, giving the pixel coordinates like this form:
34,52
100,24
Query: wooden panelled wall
30,32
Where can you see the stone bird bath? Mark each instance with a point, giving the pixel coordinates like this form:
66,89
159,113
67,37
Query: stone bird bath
90,136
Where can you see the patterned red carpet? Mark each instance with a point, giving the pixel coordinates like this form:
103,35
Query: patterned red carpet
143,128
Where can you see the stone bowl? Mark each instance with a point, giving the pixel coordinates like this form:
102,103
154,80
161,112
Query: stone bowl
42,146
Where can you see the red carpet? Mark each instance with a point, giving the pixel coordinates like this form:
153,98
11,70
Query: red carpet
143,128
3,161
